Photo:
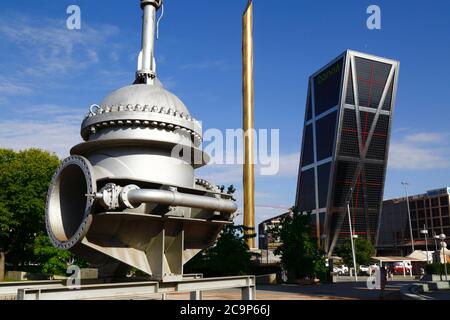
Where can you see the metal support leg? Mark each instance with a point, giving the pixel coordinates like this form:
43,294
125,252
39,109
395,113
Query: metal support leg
132,290
249,293
196,295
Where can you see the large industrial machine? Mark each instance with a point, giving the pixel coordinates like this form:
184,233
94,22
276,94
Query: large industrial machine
128,196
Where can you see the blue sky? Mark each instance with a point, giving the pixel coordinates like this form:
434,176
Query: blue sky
50,75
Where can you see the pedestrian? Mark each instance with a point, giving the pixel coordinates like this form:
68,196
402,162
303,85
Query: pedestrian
284,277
383,280
390,273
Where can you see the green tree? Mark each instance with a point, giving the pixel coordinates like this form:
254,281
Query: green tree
229,257
364,250
24,180
299,253
51,259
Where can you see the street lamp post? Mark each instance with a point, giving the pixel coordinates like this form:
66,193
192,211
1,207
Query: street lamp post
263,236
351,240
443,246
405,184
424,231
436,251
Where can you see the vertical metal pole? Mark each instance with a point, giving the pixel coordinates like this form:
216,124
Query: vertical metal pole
148,36
426,242
445,260
435,249
351,240
404,269
405,184
248,104
146,66
196,295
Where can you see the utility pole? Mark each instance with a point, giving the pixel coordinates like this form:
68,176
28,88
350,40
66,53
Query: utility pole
405,184
351,240
442,236
424,231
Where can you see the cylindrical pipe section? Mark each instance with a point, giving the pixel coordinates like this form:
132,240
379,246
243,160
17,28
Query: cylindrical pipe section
148,37
248,104
174,198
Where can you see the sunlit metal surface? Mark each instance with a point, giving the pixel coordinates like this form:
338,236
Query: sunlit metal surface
124,198
248,101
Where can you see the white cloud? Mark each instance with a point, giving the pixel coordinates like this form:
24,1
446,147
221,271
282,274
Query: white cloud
12,87
54,137
223,174
57,133
420,151
427,137
289,165
48,47
232,173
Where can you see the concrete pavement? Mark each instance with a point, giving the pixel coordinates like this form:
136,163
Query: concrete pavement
343,290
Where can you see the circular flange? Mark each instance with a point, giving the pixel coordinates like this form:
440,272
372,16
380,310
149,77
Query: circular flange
124,195
69,202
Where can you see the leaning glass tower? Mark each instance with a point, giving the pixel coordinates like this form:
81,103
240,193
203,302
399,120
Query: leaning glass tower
345,146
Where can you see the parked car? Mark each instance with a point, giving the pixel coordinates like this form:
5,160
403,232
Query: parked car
364,269
343,269
402,267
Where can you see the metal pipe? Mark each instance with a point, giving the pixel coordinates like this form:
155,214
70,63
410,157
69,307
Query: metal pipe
146,66
248,104
405,184
148,37
174,198
443,246
424,231
351,240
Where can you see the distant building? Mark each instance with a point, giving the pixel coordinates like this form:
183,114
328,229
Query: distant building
345,146
429,210
266,240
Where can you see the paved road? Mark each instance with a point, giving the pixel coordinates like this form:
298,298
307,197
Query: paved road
343,290
438,295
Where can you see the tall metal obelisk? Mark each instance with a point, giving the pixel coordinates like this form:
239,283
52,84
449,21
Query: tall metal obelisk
248,103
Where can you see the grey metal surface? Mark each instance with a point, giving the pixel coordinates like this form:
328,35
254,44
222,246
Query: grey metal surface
146,288
128,196
10,288
174,198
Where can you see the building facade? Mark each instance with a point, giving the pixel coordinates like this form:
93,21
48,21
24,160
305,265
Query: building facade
345,145
267,241
429,211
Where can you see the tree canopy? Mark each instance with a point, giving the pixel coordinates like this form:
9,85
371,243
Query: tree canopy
229,256
24,180
364,250
299,253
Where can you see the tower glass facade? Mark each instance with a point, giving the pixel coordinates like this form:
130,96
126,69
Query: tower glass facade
344,148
